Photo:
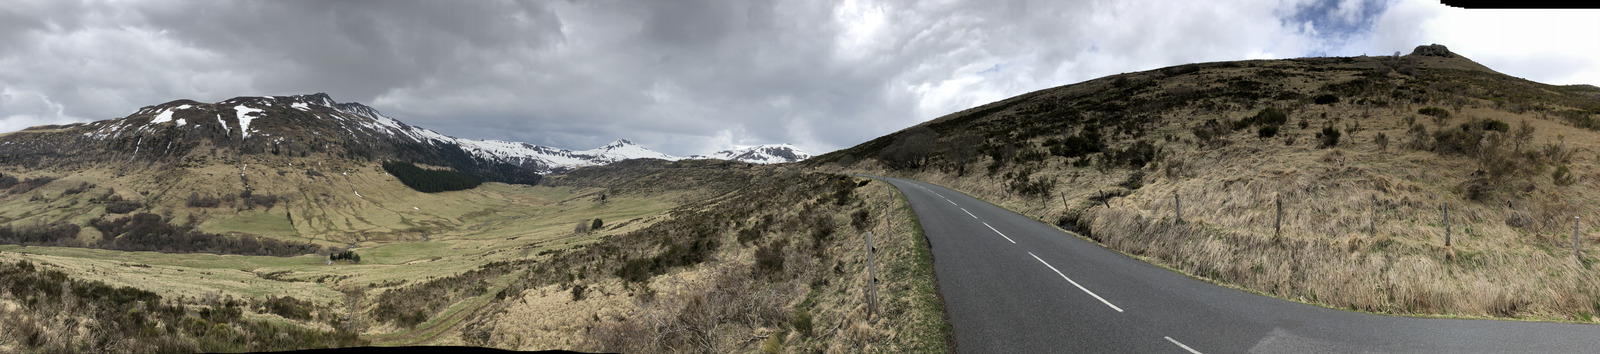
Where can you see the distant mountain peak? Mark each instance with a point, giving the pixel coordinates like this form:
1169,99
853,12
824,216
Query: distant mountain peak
620,143
762,154
316,122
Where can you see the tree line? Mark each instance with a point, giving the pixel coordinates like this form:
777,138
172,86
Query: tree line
149,232
430,181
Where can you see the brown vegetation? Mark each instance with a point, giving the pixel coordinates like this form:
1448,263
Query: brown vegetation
1362,227
46,310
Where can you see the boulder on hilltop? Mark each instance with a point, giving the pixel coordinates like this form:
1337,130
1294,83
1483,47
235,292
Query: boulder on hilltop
1433,50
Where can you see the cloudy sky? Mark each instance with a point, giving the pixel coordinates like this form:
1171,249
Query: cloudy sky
688,77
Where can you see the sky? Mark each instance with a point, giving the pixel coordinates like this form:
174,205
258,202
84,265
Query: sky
694,77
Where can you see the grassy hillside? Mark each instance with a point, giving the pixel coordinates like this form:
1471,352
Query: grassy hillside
1364,154
668,240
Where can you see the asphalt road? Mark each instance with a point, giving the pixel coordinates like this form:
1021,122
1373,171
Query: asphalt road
1012,284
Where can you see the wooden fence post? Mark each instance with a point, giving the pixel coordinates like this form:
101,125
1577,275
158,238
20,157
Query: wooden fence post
1447,223
1177,207
1277,223
872,280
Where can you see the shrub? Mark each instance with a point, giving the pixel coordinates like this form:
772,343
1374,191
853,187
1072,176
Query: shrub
122,206
24,186
1270,115
1382,141
1022,183
577,292
1326,98
802,322
1267,131
860,219
148,232
910,149
1087,142
1329,137
1492,124
54,234
288,307
1419,137
769,259
842,191
1210,133
1135,156
597,224
253,200
1436,112
1563,176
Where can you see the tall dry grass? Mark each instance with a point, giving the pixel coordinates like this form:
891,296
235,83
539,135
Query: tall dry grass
1362,227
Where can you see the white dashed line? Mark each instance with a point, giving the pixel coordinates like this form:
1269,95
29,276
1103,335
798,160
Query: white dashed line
968,212
1185,347
952,202
1080,287
1008,238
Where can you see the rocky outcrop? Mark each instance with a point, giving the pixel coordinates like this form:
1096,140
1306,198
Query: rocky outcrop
1433,50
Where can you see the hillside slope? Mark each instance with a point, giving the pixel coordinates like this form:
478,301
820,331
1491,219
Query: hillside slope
1364,154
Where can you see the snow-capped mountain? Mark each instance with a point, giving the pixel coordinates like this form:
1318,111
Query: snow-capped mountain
302,124
761,154
554,159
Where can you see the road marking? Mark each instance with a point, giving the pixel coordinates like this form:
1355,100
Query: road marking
965,211
1185,347
952,202
1008,238
1080,287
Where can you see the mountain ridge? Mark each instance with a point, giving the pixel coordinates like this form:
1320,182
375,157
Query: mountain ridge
236,121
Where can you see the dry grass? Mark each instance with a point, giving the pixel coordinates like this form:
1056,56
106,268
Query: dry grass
1510,256
728,304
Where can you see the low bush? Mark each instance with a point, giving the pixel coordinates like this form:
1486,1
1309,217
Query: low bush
861,220
1211,132
769,260
196,201
1562,176
1436,112
287,307
1270,116
129,319
149,232
23,186
1267,131
1326,98
1328,137
1087,142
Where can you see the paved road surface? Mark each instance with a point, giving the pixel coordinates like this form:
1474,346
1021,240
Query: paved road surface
1012,284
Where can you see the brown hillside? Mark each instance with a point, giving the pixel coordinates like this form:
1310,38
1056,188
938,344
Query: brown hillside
1363,152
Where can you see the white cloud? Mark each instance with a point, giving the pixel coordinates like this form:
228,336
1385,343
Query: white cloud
695,76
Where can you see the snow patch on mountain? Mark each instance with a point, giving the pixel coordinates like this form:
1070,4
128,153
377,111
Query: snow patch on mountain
245,118
761,154
364,122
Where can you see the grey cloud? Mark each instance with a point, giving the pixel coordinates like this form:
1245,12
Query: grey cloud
683,77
